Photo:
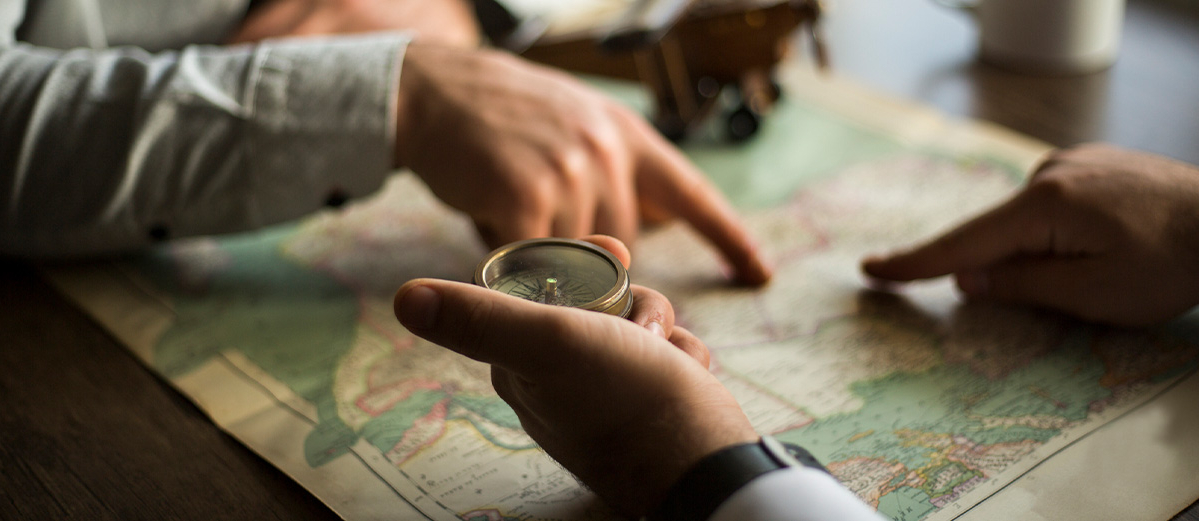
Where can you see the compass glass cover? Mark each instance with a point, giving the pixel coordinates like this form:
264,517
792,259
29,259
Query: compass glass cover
553,274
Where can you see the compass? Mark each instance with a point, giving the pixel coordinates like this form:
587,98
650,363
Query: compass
560,272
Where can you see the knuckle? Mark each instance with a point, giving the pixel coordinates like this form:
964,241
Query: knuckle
1054,186
1069,185
614,138
608,143
572,165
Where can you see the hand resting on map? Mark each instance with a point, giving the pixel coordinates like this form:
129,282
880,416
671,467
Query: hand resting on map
1099,232
625,406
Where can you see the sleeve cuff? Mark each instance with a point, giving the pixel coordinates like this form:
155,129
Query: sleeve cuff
323,123
794,494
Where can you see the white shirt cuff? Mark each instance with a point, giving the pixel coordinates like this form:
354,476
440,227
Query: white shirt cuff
794,494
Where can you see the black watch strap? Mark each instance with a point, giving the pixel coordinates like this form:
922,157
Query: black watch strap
697,494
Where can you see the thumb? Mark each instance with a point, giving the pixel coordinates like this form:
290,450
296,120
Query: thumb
1018,226
1068,285
491,327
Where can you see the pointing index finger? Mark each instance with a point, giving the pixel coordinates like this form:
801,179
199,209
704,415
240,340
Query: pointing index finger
668,179
1015,227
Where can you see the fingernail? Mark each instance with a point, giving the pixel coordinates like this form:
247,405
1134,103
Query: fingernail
760,268
656,329
765,269
419,307
974,283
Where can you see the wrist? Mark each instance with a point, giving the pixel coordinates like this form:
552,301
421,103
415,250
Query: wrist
656,468
714,479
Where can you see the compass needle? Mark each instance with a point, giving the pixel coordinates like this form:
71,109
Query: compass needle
551,291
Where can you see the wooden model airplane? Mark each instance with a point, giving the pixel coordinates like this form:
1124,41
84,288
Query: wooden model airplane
686,52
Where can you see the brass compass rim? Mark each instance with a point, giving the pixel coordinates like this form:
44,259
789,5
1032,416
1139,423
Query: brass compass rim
616,301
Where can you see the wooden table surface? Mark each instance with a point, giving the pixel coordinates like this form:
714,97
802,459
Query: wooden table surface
86,432
917,50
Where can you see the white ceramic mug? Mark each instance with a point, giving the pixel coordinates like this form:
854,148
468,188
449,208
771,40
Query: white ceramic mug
1047,36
